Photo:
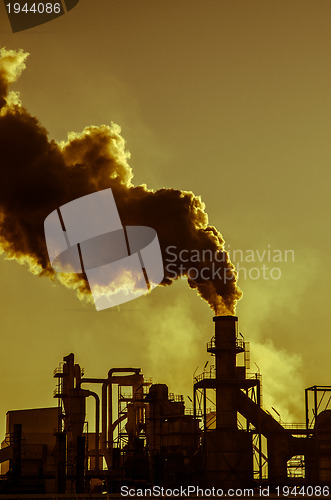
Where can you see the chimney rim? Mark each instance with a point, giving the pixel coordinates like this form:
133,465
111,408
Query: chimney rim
225,318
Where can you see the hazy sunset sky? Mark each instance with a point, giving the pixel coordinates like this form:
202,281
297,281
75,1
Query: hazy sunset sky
230,100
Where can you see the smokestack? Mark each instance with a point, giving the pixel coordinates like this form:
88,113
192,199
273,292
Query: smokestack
225,351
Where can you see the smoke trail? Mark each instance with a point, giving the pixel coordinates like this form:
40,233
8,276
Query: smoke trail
39,175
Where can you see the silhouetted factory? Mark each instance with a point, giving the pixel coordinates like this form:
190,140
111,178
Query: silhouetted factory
143,435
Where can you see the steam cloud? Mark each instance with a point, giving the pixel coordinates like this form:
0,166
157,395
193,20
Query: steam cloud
39,175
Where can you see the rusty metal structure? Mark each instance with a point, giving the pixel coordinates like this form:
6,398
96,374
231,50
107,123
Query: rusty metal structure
143,435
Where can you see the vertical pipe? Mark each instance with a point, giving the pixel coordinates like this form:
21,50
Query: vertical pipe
194,403
247,421
110,417
259,428
204,409
97,429
317,463
104,424
315,402
307,410
61,440
17,458
80,464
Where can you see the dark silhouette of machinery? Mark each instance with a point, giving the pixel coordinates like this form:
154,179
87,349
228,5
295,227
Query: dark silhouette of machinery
144,436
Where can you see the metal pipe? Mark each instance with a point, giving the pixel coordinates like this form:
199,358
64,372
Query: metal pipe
92,380
105,383
103,442
113,379
110,418
194,403
205,410
97,424
258,390
104,423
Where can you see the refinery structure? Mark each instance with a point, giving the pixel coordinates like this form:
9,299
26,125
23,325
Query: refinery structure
142,435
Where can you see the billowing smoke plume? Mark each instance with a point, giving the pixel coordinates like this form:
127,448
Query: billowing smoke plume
38,176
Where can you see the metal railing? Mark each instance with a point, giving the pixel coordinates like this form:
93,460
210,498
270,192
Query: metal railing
207,374
254,376
190,411
58,369
240,344
179,398
294,426
57,391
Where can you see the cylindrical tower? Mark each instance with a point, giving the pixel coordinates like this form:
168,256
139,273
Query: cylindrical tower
225,350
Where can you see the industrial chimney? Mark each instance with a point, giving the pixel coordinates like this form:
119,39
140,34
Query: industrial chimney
224,347
227,450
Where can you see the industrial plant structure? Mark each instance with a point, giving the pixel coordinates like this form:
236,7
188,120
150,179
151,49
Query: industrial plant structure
143,435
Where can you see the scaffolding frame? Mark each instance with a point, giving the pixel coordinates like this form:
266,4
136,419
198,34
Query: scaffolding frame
318,393
207,380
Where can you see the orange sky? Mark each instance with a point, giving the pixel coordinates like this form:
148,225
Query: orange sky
230,100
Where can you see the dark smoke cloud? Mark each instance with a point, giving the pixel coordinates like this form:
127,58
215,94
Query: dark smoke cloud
39,175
